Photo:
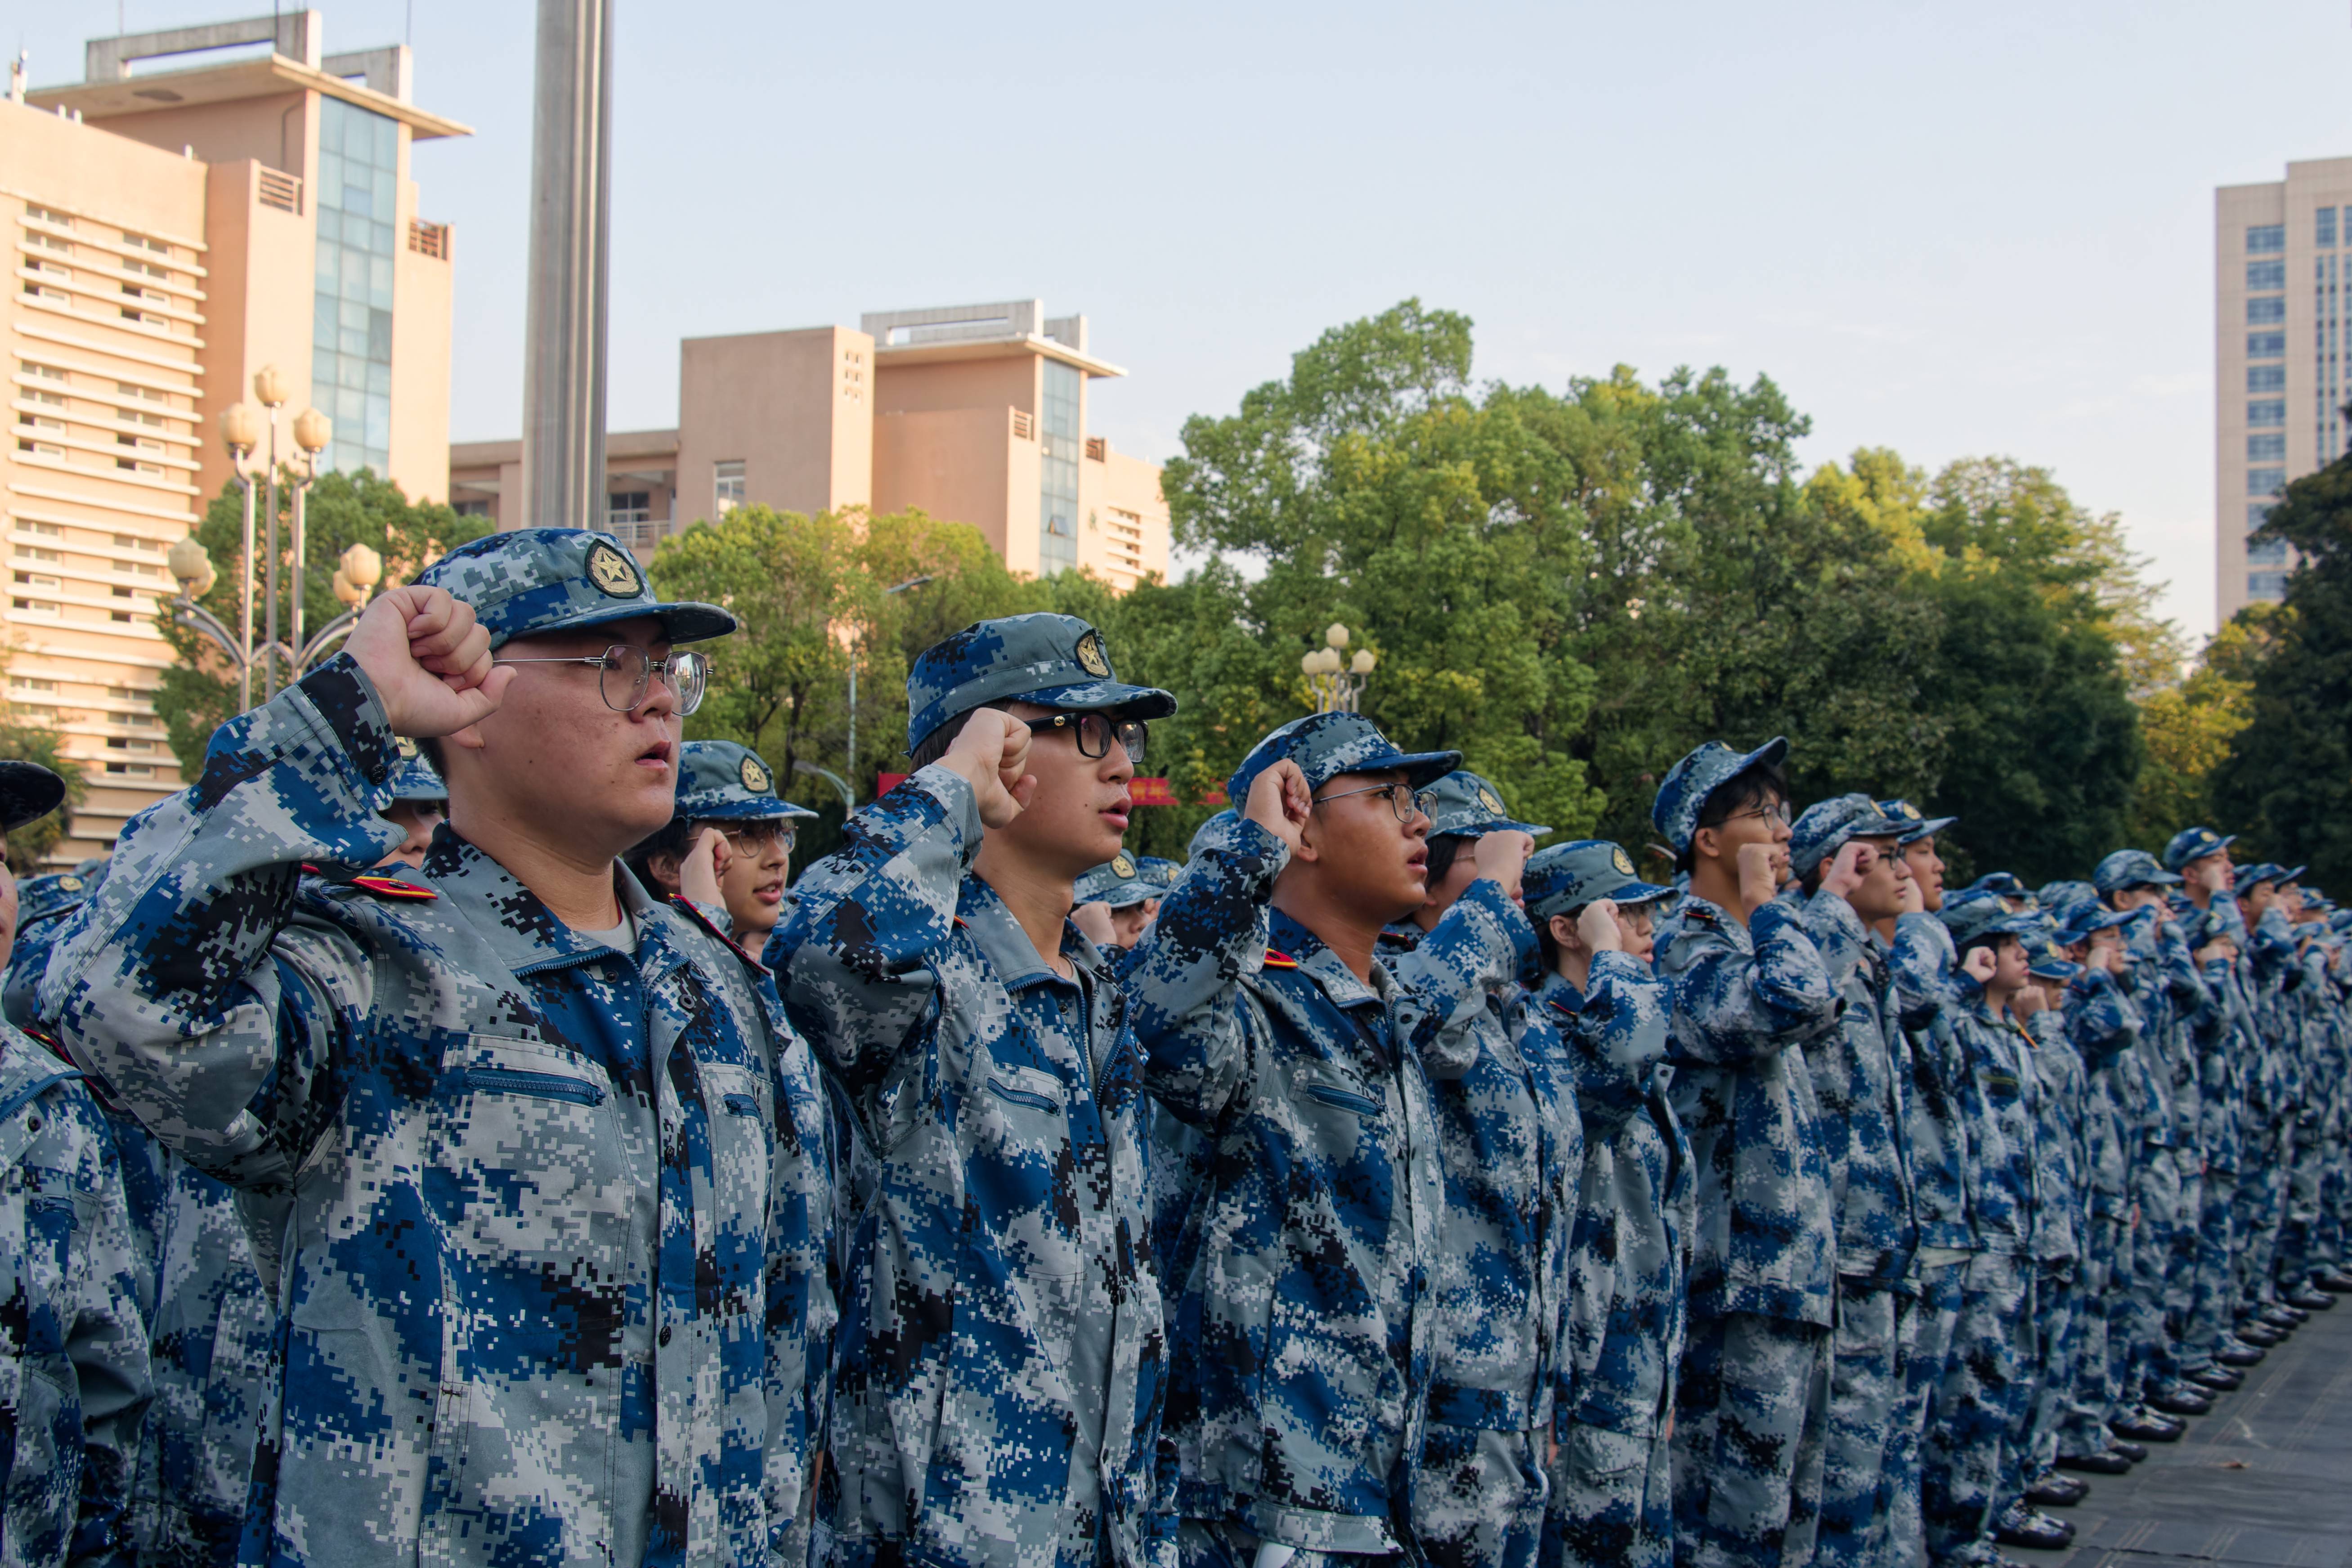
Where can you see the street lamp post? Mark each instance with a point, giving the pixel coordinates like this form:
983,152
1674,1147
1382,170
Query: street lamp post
848,797
356,576
1338,684
840,785
269,391
239,432
312,431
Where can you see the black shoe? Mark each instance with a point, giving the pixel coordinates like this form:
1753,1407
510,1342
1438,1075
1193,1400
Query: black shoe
2148,1426
2220,1379
2304,1298
2179,1402
2114,1462
2239,1355
2334,1281
2055,1490
2279,1315
2025,1528
2261,1336
2135,1452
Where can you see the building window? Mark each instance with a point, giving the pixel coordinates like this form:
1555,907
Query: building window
627,505
2264,239
1058,505
2267,308
2270,585
2266,448
2270,411
727,485
2266,378
351,322
2263,551
2265,481
2265,274
2265,345
2258,513
2324,231
471,508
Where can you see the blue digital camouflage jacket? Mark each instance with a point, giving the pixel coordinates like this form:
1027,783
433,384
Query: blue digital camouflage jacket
543,1222
1936,1100
1747,999
1997,1098
1628,1258
1001,1298
1304,1327
73,1351
2104,1027
2056,1090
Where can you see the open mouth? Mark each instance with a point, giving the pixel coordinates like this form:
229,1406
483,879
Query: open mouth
1118,811
661,755
769,892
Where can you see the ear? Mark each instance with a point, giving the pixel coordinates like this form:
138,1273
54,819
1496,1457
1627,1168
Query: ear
1707,844
1310,848
1563,932
664,867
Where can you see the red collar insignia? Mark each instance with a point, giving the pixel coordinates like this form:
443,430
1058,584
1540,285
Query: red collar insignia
1279,959
392,888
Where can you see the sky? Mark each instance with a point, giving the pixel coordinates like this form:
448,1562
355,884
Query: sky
1953,230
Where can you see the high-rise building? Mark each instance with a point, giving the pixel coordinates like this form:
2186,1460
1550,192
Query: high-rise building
2282,359
976,413
243,199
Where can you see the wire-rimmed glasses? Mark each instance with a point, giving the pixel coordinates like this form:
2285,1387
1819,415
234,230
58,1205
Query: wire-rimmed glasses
627,671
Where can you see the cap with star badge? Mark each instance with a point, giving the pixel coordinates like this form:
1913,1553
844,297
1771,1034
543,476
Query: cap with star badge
2131,868
1970,916
1917,824
1125,881
1683,796
1827,826
1326,745
1053,662
56,894
1569,875
1464,804
720,781
538,580
2195,844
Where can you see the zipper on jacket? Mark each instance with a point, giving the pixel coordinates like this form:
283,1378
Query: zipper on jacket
1339,1098
741,1104
1035,1101
540,1085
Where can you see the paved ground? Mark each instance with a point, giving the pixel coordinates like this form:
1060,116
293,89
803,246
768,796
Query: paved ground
2265,1481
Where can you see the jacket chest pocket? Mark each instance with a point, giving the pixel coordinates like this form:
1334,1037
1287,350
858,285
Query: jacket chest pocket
741,1107
1018,1124
1323,1088
43,1212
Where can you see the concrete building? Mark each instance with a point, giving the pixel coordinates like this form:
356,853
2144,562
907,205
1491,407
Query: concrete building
173,230
2282,357
973,412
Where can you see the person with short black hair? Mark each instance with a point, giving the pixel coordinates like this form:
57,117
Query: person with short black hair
729,845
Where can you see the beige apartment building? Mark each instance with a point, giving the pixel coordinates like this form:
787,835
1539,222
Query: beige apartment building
973,412
172,230
2282,359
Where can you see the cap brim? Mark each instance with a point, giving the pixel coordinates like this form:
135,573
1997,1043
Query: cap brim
1488,825
1926,827
1098,696
28,791
1421,769
682,622
2067,971
743,811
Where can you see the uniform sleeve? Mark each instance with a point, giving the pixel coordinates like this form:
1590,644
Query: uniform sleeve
1184,978
1460,969
107,1343
2274,946
188,987
857,955
1732,1006
1921,966
1620,1038
2100,1020
1837,934
802,1308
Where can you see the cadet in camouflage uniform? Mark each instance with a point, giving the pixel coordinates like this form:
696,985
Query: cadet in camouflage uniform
730,846
1306,1315
1749,993
1128,887
534,1173
1512,1150
1844,850
1611,1476
1001,1359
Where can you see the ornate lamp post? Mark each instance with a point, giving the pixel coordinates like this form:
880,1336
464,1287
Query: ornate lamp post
239,433
312,431
1337,683
269,391
356,575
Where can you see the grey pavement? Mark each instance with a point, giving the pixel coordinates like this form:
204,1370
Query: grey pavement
2265,1482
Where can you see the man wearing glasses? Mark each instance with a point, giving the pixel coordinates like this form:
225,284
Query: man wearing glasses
532,1172
1748,991
729,847
998,1383
1307,1266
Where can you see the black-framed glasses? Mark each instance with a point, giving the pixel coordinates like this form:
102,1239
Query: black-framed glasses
1403,799
752,837
627,670
1096,731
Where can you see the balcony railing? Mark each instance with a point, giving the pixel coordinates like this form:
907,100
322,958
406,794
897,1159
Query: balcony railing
634,528
429,238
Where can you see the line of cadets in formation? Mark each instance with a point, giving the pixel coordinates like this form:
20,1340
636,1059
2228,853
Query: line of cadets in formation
1365,1187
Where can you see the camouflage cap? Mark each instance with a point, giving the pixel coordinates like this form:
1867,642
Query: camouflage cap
1468,804
2059,897
1326,745
28,791
1569,875
1970,916
1053,662
1919,825
1125,881
720,781
55,893
537,580
414,779
2043,960
2001,884
1827,824
1683,796
2080,921
2195,844
2131,868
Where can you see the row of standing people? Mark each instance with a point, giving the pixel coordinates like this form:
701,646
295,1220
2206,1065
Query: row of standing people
1379,1198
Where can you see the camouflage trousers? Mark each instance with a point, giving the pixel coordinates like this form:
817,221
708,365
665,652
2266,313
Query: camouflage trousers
2049,1382
2299,1236
2104,1318
2186,1267
1867,1400
1960,1468
1478,1498
1612,1502
2260,1211
2151,1352
1925,1323
1752,1416
2214,1304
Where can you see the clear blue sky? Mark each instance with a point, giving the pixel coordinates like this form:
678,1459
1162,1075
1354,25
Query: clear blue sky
1950,229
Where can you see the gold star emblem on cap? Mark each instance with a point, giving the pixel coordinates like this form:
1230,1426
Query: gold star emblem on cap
1091,657
407,747
615,574
1122,865
1622,861
755,776
1490,800
70,884
1910,811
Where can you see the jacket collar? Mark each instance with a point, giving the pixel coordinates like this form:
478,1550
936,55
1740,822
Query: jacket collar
1006,946
519,930
1323,966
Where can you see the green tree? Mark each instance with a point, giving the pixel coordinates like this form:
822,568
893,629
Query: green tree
2287,780
199,689
2189,726
22,742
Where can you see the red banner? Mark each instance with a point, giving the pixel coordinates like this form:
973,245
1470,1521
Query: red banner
1144,792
